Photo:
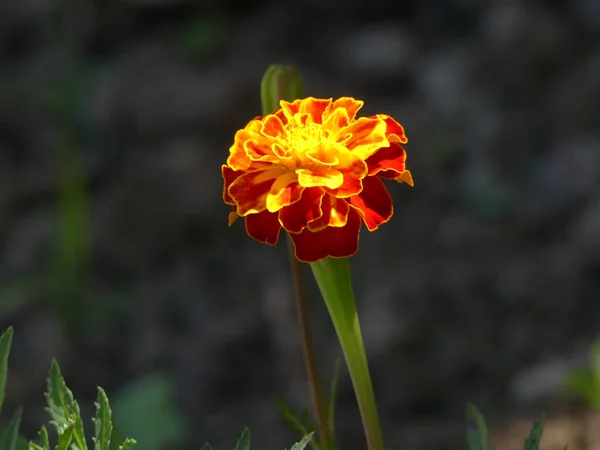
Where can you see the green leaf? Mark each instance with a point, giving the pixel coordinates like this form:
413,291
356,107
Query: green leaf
128,444
11,434
332,397
65,438
5,343
243,442
146,409
535,435
43,439
303,443
61,404
103,425
298,423
64,409
206,446
79,442
477,431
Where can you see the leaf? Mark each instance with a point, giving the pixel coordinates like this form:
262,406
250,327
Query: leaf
243,442
11,434
5,343
477,431
128,444
146,409
65,438
332,397
64,409
60,399
299,424
303,443
206,446
79,434
535,435
103,425
43,438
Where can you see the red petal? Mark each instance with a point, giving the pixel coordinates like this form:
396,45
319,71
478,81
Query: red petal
394,131
374,203
335,242
250,190
335,214
229,176
295,217
264,227
392,158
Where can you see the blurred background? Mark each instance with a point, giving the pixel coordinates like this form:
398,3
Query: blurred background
116,258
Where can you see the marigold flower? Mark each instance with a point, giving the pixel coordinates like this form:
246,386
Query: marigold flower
314,169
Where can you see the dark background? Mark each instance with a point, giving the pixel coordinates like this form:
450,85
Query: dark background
116,258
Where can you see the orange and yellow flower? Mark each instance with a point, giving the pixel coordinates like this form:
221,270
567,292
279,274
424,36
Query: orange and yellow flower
314,169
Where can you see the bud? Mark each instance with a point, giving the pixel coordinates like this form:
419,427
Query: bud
279,83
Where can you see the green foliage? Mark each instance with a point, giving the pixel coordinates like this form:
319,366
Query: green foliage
332,397
146,409
478,434
243,442
298,420
585,384
5,343
303,443
66,418
477,430
10,436
535,435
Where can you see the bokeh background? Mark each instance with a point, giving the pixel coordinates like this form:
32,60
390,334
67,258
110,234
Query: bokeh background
116,258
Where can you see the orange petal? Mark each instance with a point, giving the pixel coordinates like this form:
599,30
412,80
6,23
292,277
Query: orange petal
284,191
337,119
353,171
349,104
233,216
329,242
295,217
315,107
405,177
392,158
273,126
394,131
368,136
229,176
330,178
374,203
264,227
289,109
250,190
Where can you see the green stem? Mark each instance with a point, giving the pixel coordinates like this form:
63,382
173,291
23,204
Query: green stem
335,282
285,83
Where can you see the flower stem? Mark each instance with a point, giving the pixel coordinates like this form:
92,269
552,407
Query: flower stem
310,354
285,83
335,282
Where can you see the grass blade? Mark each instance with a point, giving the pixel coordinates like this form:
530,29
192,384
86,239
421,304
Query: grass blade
5,343
477,431
243,442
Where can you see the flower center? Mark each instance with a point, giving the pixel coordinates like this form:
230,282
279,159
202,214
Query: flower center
302,138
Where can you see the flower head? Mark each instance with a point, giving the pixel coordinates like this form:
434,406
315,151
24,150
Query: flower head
314,169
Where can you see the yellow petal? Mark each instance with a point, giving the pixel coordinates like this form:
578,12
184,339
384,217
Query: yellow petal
330,178
284,191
